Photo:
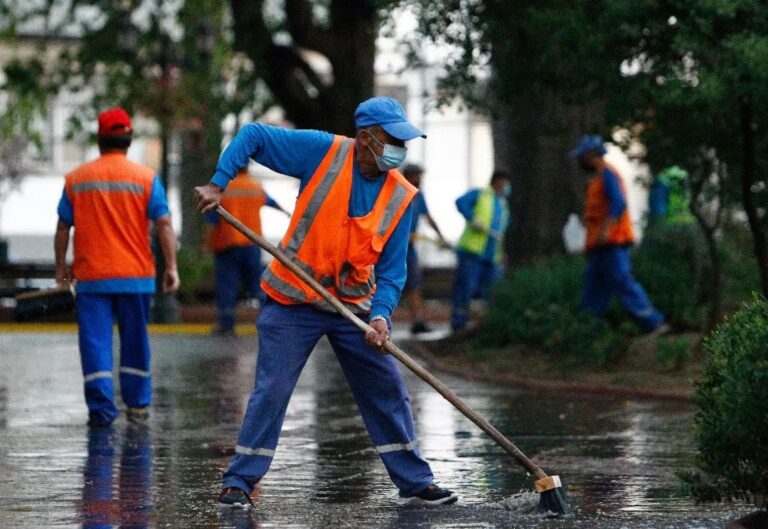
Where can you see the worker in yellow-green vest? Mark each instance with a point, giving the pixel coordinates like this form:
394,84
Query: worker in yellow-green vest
480,250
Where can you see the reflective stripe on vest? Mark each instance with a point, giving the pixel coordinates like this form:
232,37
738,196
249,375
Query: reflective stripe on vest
341,251
110,198
475,241
302,228
128,187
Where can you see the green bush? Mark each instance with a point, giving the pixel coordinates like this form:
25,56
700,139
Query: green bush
195,272
537,306
672,265
732,422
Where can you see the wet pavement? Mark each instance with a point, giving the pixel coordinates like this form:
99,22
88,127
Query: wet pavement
616,457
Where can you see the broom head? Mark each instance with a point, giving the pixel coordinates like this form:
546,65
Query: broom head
551,496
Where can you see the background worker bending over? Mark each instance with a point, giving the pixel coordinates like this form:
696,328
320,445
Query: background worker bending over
236,259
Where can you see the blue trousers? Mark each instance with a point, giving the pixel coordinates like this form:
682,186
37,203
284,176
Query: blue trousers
233,266
474,278
287,336
608,273
95,317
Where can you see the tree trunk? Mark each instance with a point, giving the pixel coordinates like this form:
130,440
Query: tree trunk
746,107
532,138
309,98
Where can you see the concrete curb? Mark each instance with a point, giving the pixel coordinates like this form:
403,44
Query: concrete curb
544,386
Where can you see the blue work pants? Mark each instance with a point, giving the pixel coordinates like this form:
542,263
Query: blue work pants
287,336
474,279
96,314
608,273
233,266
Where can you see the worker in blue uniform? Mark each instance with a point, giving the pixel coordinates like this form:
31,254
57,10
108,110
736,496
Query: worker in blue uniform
412,289
480,251
236,258
610,235
112,201
350,230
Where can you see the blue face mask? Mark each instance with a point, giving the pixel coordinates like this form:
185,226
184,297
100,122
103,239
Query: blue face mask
391,158
506,190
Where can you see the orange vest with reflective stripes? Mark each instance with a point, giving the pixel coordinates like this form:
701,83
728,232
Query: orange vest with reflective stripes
597,211
339,251
110,197
243,198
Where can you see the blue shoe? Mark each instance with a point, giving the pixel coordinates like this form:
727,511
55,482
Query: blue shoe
431,497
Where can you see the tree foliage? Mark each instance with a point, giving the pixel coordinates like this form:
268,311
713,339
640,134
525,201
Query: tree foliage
316,57
685,77
732,422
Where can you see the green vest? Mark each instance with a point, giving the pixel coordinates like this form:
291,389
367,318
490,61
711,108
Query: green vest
474,241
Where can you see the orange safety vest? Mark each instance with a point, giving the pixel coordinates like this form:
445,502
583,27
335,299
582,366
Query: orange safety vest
243,198
338,250
110,197
596,212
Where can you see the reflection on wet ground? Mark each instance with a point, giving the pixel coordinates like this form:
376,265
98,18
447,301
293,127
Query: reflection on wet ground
616,457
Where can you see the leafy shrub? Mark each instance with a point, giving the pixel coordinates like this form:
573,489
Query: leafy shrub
537,306
196,273
672,265
732,422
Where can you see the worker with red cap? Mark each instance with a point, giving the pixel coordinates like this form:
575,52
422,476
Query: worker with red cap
111,202
350,230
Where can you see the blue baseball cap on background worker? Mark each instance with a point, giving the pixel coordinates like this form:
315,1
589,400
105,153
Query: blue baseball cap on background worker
589,143
387,114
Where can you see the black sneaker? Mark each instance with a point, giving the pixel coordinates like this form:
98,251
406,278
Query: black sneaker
431,496
235,498
419,327
137,415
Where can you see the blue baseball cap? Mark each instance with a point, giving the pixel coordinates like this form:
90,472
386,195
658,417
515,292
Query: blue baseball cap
589,143
389,115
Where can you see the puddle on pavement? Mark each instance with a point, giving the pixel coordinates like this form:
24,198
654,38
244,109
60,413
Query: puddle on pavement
617,458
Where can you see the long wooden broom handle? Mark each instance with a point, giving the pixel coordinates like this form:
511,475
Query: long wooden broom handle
391,348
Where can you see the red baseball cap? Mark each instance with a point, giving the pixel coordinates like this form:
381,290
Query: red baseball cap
114,122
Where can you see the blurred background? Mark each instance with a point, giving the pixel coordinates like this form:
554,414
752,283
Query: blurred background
493,84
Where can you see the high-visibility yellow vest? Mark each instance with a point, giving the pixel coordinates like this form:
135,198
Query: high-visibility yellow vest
474,240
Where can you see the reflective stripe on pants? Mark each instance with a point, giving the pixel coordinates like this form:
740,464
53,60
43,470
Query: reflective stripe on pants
95,318
287,336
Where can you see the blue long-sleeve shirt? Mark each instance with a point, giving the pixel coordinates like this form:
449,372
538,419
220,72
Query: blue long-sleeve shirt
297,153
466,206
617,204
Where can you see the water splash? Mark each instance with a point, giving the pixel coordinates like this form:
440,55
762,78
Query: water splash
524,502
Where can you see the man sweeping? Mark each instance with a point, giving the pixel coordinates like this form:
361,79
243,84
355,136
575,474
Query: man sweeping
111,202
349,230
